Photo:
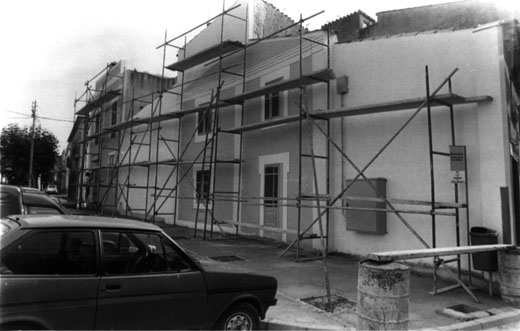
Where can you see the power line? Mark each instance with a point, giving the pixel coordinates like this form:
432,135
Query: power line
18,118
37,117
14,112
53,119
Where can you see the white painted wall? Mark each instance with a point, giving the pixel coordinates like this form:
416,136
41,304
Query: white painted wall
391,69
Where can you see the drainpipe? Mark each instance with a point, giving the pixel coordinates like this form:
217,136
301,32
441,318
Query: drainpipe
343,161
342,90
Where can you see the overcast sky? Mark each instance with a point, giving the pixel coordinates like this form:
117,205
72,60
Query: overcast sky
50,48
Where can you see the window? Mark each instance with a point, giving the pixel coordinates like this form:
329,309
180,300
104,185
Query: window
40,204
271,185
175,261
7,225
113,114
10,203
271,105
272,102
98,127
42,210
51,253
202,183
113,118
111,159
98,123
136,253
204,120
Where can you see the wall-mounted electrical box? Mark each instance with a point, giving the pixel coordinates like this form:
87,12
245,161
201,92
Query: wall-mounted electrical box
367,221
342,84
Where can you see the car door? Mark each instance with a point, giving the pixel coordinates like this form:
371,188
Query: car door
148,284
49,278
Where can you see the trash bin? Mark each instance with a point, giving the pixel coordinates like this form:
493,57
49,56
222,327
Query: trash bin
485,261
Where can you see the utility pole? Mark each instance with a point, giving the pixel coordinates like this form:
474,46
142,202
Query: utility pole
31,157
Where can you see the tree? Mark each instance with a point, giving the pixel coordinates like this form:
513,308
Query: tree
15,148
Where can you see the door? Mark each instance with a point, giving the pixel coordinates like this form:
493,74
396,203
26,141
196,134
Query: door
50,277
148,284
271,195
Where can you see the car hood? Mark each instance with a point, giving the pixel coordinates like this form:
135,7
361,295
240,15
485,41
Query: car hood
224,281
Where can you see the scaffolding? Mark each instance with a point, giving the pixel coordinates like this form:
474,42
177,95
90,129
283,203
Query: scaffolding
208,197
209,157
436,208
93,99
100,184
315,199
208,123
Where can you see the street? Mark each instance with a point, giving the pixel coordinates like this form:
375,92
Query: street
299,281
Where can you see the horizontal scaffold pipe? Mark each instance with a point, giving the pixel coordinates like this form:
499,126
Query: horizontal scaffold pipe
402,211
438,204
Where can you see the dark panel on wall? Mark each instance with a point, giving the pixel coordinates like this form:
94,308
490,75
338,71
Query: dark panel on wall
366,221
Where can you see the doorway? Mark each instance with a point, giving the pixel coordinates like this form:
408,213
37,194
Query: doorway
272,195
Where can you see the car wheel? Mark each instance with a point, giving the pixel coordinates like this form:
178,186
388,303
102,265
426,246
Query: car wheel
241,316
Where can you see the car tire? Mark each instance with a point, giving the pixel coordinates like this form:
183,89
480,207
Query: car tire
241,316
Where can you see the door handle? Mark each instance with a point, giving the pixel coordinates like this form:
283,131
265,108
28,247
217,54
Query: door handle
112,287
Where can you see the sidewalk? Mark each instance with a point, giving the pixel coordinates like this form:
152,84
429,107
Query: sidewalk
299,281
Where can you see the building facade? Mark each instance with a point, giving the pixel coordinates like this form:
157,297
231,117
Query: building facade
386,72
376,135
105,114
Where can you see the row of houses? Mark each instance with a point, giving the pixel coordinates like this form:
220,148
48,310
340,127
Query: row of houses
373,135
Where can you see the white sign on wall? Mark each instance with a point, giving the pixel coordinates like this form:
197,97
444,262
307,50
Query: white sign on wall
458,164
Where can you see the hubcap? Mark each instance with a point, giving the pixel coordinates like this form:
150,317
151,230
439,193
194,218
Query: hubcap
239,322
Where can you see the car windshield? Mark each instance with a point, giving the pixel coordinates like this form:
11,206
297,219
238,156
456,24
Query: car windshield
7,225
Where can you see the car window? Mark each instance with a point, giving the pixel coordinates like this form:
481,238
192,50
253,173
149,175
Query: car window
51,253
40,203
9,202
140,252
42,210
6,225
175,260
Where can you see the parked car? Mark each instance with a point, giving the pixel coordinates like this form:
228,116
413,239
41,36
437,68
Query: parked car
51,189
25,200
88,272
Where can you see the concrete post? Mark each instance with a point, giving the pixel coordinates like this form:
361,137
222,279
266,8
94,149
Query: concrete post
383,296
509,275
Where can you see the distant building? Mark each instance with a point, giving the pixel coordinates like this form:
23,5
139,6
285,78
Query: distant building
98,137
73,159
351,27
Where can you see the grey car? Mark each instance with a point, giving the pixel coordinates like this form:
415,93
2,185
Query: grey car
85,272
24,200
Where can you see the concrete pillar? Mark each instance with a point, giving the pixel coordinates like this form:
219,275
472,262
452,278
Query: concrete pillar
383,296
509,275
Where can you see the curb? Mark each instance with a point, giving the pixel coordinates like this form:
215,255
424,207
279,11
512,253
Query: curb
273,324
279,325
477,324
486,322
